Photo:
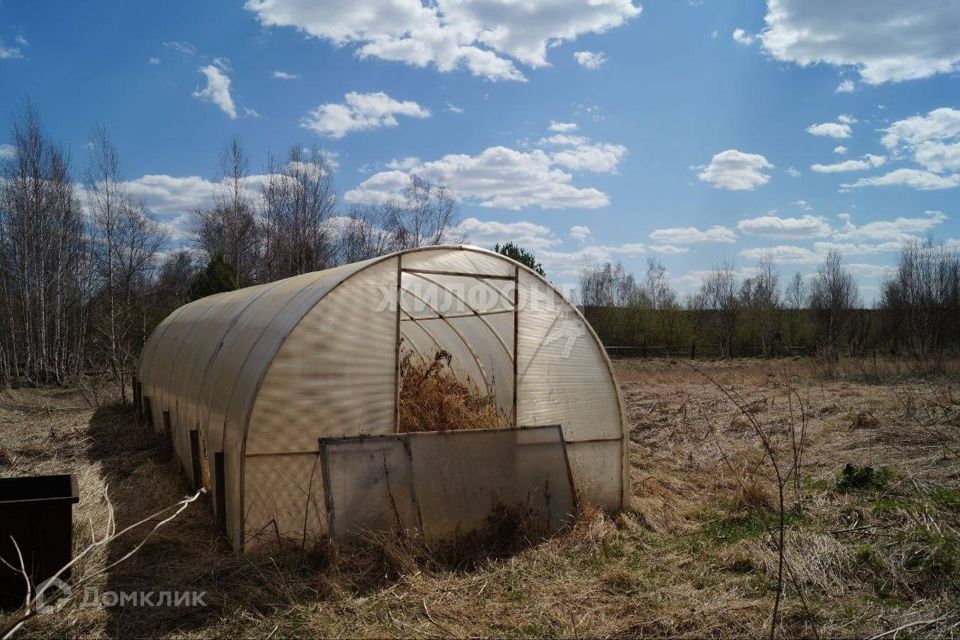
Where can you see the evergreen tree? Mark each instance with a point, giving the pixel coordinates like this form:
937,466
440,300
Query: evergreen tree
219,275
519,254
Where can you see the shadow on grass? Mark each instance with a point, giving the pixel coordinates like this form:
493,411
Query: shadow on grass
239,589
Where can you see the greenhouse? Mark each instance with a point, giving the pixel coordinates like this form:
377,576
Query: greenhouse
417,389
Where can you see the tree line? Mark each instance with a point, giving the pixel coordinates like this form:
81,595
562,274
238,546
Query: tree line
86,271
916,313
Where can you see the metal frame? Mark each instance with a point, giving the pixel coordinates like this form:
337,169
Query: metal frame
483,278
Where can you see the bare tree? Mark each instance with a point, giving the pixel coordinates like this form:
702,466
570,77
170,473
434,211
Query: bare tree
125,245
718,308
833,297
609,285
298,201
229,225
760,297
920,302
424,216
44,263
796,292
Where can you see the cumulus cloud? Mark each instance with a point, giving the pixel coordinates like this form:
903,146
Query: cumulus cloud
153,60
771,226
217,90
579,232
869,161
691,235
913,178
485,36
899,229
360,112
283,75
931,140
736,171
742,37
783,254
563,127
840,149
7,152
531,236
830,129
793,172
886,40
496,177
592,60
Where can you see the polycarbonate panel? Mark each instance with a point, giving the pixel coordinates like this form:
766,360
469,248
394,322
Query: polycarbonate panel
598,472
368,485
462,477
563,375
331,378
458,259
446,483
283,499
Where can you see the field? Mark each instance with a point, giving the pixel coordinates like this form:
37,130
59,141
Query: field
871,522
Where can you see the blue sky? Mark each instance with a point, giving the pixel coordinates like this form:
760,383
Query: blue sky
588,131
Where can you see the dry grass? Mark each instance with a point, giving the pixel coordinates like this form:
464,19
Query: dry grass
433,397
692,558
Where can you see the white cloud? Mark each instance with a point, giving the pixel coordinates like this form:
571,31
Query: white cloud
7,152
793,172
840,149
771,226
486,36
602,157
869,161
736,171
899,229
530,236
153,60
579,232
569,263
858,249
845,86
453,108
667,249
217,90
869,270
283,75
360,112
801,204
932,141
563,127
885,40
404,164
914,178
497,177
183,47
691,235
783,254
592,60
171,195
830,129
10,53
742,37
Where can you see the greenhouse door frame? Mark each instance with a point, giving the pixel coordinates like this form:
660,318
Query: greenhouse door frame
480,278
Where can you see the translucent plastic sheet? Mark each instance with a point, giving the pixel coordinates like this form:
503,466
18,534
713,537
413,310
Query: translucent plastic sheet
445,483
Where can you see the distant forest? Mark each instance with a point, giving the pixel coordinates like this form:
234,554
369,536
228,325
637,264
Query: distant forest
917,313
